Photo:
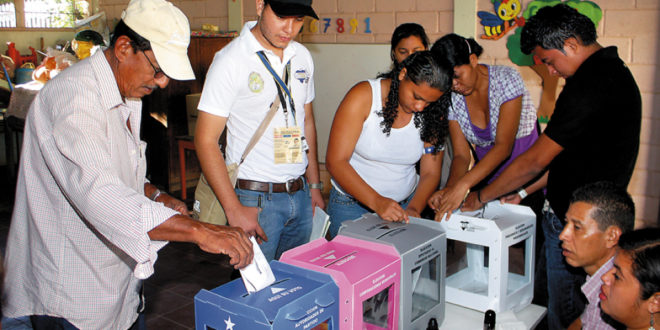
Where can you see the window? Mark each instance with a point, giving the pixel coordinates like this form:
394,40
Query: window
42,13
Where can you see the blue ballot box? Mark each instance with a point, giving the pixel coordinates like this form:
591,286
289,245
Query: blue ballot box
299,299
421,245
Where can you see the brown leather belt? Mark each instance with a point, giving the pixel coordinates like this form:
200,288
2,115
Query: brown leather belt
290,186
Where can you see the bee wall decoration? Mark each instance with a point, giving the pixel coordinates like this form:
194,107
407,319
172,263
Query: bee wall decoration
505,19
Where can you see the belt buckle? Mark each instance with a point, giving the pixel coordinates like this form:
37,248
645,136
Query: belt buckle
287,185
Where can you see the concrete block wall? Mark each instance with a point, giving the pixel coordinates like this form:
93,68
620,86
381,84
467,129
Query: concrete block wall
198,11
435,15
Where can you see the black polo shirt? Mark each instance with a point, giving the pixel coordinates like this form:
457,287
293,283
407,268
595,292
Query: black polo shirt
597,121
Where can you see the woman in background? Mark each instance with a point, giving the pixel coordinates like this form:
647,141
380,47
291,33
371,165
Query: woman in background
631,289
491,109
407,38
381,129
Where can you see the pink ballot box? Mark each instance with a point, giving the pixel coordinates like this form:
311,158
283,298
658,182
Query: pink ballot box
490,257
367,274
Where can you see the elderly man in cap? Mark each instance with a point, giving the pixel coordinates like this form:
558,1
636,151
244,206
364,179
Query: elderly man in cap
278,182
87,225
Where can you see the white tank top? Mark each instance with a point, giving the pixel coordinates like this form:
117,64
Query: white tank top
386,163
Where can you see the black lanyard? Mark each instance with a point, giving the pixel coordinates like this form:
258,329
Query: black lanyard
282,87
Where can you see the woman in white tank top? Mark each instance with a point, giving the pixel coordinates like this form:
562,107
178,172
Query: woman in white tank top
381,129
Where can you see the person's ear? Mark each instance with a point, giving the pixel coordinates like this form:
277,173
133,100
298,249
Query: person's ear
260,7
612,235
474,60
123,48
654,303
402,74
571,45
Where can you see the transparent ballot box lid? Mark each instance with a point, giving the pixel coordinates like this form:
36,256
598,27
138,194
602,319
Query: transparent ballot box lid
490,257
421,244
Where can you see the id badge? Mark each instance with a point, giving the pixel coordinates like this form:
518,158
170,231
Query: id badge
288,145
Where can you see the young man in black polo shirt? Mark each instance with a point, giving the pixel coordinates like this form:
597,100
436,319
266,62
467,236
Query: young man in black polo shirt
593,136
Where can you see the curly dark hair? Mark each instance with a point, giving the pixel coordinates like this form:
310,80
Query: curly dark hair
552,26
421,67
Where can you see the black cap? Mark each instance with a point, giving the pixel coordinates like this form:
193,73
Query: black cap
286,8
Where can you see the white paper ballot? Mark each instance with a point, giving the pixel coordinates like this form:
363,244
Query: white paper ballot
320,224
257,275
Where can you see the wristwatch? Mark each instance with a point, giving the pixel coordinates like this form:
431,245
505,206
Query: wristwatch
316,185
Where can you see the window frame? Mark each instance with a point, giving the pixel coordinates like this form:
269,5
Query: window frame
19,7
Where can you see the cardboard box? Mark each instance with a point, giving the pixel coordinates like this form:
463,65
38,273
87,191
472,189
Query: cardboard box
367,274
299,299
496,265
421,245
192,101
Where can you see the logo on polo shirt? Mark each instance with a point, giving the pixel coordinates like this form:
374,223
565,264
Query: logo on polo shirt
302,76
255,82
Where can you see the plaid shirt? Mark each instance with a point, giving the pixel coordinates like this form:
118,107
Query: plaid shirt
504,84
78,243
591,288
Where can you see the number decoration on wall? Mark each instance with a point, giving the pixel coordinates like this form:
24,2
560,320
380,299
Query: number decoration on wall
338,25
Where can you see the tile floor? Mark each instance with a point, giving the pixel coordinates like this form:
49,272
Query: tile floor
181,271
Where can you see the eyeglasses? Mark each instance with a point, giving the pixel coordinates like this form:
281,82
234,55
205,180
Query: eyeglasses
158,73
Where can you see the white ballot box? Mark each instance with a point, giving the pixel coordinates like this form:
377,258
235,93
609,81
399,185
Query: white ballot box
490,257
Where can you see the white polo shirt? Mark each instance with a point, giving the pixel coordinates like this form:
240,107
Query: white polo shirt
238,86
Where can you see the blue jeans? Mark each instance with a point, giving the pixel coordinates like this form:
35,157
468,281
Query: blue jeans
285,218
343,207
565,299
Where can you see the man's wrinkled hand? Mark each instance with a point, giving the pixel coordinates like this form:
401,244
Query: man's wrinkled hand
231,241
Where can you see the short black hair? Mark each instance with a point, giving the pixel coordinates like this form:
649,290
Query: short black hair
613,205
456,49
643,247
137,41
552,26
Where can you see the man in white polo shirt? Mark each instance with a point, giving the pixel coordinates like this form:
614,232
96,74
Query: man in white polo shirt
272,199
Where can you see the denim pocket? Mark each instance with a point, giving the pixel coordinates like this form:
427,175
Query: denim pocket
250,198
342,199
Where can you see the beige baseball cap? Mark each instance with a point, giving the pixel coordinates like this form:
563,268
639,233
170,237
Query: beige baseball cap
168,31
